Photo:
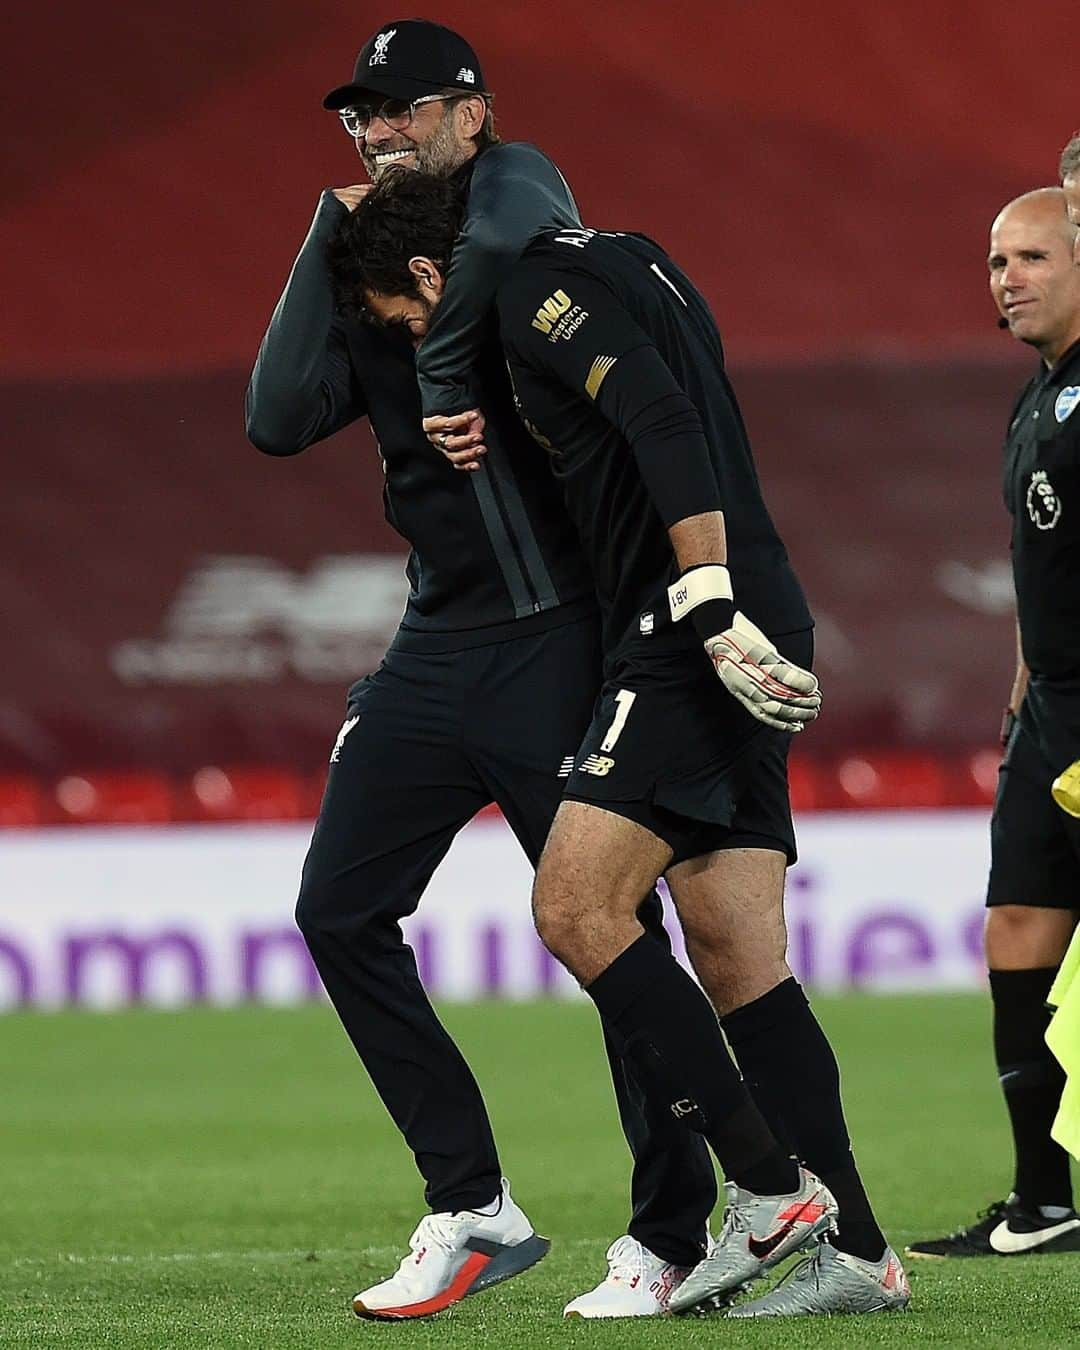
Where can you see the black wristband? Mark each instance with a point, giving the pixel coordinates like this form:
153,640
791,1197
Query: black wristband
712,617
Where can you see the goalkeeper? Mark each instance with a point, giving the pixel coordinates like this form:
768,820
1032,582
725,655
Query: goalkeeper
618,373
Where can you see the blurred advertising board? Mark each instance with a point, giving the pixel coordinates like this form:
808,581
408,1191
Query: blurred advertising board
109,917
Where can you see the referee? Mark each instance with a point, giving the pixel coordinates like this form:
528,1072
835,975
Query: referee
618,373
1034,888
485,691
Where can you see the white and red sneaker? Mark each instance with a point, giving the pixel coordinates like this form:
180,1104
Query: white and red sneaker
452,1256
638,1284
758,1232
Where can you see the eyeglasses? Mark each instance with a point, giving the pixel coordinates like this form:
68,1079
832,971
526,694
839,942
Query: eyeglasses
395,112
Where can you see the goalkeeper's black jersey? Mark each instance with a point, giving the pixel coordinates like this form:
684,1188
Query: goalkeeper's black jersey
1042,493
493,553
618,370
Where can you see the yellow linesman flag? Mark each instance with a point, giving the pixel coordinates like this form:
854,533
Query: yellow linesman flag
1063,1038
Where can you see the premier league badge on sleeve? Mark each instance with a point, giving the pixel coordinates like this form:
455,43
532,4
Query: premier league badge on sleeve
1043,503
1066,401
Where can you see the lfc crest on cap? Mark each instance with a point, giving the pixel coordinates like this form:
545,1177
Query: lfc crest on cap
382,41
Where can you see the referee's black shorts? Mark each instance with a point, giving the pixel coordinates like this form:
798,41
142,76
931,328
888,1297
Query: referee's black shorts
672,750
1034,845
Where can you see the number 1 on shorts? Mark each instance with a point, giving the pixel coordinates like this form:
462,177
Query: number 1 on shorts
624,701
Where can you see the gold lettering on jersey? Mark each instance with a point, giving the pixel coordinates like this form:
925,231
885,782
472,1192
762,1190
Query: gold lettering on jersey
598,372
550,310
539,437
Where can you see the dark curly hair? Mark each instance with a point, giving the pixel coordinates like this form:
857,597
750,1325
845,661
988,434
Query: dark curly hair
405,215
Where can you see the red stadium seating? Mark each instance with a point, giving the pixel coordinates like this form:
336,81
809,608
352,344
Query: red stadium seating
892,778
980,775
247,792
811,789
868,780
22,803
115,799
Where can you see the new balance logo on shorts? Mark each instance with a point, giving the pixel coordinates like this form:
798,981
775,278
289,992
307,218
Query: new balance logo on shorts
598,765
566,768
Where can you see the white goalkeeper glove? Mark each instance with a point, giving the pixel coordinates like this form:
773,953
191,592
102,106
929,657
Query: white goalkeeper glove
770,688
775,691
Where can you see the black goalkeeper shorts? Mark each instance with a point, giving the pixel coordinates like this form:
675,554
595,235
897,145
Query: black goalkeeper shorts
672,750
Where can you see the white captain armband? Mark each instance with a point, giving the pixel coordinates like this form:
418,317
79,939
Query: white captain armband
704,592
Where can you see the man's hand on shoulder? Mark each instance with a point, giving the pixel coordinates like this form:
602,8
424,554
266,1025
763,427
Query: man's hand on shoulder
352,196
460,438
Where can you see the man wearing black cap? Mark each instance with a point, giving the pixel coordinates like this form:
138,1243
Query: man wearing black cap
405,74
484,693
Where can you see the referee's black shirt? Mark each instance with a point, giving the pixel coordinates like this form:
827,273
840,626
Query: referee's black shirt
618,370
1042,494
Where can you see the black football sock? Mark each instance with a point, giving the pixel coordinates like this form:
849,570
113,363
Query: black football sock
792,1074
1032,1081
676,1051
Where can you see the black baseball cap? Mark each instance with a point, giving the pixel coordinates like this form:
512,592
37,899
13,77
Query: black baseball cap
407,59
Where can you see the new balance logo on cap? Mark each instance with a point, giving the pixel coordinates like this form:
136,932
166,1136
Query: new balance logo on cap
466,76
382,41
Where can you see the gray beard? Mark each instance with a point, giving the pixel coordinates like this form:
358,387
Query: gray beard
439,155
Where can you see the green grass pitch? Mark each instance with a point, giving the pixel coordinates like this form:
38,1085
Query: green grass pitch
227,1179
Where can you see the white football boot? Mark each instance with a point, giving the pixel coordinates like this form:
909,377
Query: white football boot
452,1256
638,1284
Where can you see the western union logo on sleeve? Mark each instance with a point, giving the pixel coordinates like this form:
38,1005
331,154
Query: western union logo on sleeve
554,306
598,373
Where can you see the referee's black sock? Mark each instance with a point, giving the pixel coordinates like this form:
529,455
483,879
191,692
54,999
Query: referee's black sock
676,1051
791,1071
1032,1081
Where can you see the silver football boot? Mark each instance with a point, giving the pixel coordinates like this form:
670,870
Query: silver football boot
829,1282
758,1232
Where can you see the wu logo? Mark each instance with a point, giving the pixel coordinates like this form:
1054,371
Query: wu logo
554,306
378,56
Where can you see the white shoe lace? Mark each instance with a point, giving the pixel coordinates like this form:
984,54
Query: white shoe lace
433,1230
626,1259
